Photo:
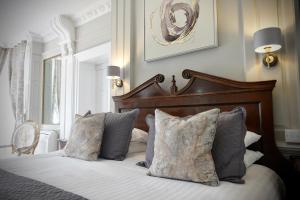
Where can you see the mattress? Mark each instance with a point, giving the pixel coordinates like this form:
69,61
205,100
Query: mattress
107,179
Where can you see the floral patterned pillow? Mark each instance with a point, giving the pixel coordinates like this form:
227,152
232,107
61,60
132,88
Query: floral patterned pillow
182,147
86,137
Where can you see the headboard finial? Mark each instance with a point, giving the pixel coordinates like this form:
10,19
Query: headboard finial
173,88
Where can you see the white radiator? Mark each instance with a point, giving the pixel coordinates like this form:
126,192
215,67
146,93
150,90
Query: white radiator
48,142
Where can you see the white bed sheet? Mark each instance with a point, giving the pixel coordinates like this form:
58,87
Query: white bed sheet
114,180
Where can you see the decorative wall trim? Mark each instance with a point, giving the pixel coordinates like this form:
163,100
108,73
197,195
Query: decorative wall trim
32,76
49,36
103,51
31,36
64,29
51,53
122,41
91,13
94,11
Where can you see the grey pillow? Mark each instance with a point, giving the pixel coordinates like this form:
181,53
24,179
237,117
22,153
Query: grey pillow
182,147
229,148
150,121
117,134
86,137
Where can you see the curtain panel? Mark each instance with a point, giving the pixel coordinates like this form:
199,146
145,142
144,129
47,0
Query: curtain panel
3,57
16,63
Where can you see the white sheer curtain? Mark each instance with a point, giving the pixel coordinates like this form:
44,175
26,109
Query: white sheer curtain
16,63
3,57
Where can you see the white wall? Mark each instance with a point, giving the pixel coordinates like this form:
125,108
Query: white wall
87,88
93,33
102,89
93,89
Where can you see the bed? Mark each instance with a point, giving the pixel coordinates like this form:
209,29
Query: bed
107,179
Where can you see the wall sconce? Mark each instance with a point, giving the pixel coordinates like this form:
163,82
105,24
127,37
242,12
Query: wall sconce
266,41
113,72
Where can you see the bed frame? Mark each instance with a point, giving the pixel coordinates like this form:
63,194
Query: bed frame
204,92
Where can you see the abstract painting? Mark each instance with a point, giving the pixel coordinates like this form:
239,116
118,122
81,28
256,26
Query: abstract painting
174,27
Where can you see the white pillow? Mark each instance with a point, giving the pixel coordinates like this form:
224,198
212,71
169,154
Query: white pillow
136,147
139,135
251,157
250,138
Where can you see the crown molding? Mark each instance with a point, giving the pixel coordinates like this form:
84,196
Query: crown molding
48,36
64,29
94,11
101,7
34,37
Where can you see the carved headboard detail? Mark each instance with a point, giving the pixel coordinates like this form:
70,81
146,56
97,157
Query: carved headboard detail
204,92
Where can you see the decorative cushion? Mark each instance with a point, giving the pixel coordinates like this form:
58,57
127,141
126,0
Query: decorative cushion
136,147
139,135
251,157
229,148
150,121
251,138
86,137
85,114
182,147
117,134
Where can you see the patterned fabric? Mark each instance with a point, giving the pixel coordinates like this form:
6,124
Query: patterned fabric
182,147
117,134
16,80
86,137
139,135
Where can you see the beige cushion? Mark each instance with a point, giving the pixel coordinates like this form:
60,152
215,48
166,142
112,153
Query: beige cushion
86,137
139,135
182,147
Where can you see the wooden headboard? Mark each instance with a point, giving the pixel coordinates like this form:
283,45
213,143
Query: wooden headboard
204,92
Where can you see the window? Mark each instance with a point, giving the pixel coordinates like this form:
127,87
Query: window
51,91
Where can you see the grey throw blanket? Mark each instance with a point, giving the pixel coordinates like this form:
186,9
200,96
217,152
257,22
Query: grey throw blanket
14,187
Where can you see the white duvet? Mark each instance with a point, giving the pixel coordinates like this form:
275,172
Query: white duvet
112,180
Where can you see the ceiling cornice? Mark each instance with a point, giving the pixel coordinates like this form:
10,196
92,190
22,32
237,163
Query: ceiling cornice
94,11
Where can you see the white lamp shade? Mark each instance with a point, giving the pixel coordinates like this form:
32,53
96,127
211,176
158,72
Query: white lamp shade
113,72
267,40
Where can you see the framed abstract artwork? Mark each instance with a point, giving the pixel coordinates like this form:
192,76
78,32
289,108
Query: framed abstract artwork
174,27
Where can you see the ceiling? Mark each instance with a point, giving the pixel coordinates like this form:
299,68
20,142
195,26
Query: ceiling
17,17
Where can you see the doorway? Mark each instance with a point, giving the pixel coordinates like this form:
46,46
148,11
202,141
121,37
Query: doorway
92,88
